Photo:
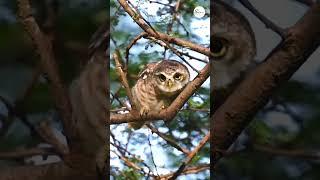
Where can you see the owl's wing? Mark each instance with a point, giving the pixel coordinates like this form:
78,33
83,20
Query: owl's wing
149,68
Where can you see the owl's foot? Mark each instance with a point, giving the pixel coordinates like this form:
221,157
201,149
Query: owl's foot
144,111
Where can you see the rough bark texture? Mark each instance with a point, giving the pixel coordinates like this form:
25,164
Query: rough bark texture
252,94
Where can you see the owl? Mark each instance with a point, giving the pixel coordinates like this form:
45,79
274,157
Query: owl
158,85
233,47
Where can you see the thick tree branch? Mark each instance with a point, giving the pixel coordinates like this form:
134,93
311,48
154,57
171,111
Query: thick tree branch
253,93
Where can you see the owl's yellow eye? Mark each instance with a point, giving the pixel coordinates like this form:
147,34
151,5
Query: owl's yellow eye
178,76
162,77
219,47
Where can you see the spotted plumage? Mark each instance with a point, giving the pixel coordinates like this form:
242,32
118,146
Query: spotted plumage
158,85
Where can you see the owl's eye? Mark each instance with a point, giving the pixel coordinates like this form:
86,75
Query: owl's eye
219,47
177,76
162,77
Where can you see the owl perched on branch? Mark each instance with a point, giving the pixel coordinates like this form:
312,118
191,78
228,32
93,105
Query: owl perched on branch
158,85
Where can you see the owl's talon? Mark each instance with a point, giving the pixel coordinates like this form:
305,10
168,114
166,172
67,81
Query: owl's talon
144,111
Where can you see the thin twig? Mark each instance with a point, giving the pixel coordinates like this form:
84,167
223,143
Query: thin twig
166,138
23,153
164,4
156,35
269,24
293,153
204,140
134,41
151,154
189,170
306,2
162,36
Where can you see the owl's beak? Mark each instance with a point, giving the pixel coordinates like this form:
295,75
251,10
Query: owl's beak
169,83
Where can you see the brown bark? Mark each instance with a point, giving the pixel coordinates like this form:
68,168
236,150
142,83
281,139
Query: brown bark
252,94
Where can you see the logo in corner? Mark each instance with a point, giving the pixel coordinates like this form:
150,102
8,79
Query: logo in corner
199,12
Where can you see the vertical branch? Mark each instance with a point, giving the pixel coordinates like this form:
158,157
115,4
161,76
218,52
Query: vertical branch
123,78
48,63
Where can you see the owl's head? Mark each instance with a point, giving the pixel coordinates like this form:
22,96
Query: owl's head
170,77
232,44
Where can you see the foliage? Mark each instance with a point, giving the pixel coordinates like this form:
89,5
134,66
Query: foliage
189,126
26,99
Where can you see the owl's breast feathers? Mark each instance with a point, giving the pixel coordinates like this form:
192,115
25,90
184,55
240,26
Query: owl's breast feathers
145,95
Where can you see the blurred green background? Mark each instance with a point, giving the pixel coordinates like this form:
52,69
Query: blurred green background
24,88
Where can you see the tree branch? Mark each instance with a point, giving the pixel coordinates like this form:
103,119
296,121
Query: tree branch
123,78
48,63
190,156
306,2
292,153
189,170
23,153
170,141
162,36
170,112
253,93
269,24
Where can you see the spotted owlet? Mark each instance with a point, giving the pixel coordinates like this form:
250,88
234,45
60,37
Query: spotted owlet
158,85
